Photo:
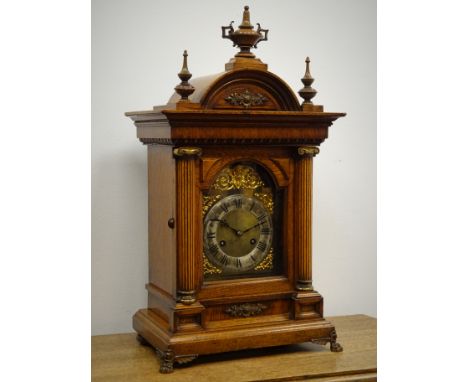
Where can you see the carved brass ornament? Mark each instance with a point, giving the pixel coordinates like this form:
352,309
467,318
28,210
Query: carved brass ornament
210,269
267,262
245,310
267,199
308,150
208,201
187,151
240,177
246,99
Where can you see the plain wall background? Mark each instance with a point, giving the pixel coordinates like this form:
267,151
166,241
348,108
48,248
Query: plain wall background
137,50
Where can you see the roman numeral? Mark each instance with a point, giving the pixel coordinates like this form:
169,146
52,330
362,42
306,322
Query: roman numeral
213,248
261,246
238,203
224,260
265,231
260,218
253,258
224,207
238,263
211,235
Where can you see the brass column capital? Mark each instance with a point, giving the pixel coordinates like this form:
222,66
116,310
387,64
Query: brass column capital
187,152
186,297
304,285
308,150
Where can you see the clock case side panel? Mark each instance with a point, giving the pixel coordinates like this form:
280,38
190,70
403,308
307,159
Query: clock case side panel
161,285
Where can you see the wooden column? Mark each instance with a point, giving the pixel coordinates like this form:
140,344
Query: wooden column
187,223
303,175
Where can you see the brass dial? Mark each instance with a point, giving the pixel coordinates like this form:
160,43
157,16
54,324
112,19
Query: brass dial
238,233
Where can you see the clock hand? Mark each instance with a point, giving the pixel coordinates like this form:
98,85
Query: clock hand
254,226
225,223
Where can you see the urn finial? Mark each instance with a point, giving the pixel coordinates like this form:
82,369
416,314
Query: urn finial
245,37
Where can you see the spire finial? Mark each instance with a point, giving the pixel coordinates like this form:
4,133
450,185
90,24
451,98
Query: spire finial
184,89
307,92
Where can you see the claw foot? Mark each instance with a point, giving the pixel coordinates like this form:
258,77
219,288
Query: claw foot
334,346
167,361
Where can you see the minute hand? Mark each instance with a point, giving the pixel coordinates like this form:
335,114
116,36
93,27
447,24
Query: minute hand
254,226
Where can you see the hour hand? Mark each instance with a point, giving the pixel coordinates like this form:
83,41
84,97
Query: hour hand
225,223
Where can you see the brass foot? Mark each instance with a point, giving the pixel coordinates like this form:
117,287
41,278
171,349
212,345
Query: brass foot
334,346
167,361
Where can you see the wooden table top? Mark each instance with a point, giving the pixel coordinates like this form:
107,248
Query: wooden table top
119,357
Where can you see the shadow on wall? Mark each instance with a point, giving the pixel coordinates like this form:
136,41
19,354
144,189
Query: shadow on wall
119,237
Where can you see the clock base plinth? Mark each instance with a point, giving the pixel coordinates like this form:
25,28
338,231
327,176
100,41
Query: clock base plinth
185,346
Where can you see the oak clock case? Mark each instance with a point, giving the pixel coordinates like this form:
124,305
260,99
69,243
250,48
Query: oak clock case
230,164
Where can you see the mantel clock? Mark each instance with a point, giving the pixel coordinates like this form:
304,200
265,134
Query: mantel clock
230,210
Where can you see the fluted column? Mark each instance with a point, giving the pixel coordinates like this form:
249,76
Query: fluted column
303,175
188,223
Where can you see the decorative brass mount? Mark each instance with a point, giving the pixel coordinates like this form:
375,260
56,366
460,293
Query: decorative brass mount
245,310
245,37
246,99
239,177
187,151
308,150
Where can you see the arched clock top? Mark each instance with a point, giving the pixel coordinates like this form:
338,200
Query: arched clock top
250,89
244,89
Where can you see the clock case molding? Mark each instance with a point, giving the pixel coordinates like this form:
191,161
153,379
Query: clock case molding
244,114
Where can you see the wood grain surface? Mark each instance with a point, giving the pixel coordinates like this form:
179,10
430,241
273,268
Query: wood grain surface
120,357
